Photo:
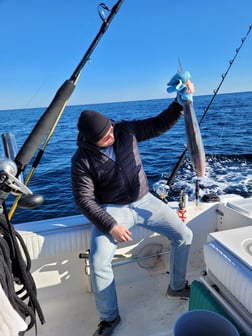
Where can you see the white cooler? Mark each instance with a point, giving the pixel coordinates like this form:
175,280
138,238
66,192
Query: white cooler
228,258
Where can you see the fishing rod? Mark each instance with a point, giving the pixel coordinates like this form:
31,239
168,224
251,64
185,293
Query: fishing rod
11,167
215,91
50,118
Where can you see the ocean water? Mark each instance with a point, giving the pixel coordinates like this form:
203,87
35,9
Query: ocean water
226,132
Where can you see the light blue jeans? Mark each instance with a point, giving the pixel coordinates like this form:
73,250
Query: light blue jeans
152,214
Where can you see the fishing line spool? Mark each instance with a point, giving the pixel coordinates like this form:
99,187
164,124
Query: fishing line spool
161,188
9,183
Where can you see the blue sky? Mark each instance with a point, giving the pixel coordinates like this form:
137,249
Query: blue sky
43,41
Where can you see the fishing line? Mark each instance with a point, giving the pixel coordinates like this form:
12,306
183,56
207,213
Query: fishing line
52,115
223,76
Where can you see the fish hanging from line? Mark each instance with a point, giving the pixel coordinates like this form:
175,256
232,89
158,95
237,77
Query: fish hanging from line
193,135
194,140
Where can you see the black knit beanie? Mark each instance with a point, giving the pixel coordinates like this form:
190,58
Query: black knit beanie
93,125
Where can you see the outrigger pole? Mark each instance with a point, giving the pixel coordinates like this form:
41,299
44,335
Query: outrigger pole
223,76
49,120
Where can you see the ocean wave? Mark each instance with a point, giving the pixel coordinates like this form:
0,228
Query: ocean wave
225,174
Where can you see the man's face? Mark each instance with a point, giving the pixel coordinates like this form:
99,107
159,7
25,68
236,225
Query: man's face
108,139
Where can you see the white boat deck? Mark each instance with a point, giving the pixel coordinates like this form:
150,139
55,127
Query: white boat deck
70,309
63,286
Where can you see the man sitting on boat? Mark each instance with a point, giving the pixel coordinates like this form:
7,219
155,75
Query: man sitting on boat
111,189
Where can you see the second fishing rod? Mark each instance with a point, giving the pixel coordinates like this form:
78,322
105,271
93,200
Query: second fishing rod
171,178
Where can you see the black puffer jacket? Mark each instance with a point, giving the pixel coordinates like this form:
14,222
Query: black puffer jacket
96,179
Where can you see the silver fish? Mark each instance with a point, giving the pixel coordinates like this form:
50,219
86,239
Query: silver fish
194,140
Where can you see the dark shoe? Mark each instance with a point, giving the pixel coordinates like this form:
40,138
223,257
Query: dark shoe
182,294
106,328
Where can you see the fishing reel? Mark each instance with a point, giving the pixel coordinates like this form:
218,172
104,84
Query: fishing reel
9,183
161,188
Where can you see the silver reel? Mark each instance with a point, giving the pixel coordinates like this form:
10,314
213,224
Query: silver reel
9,183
